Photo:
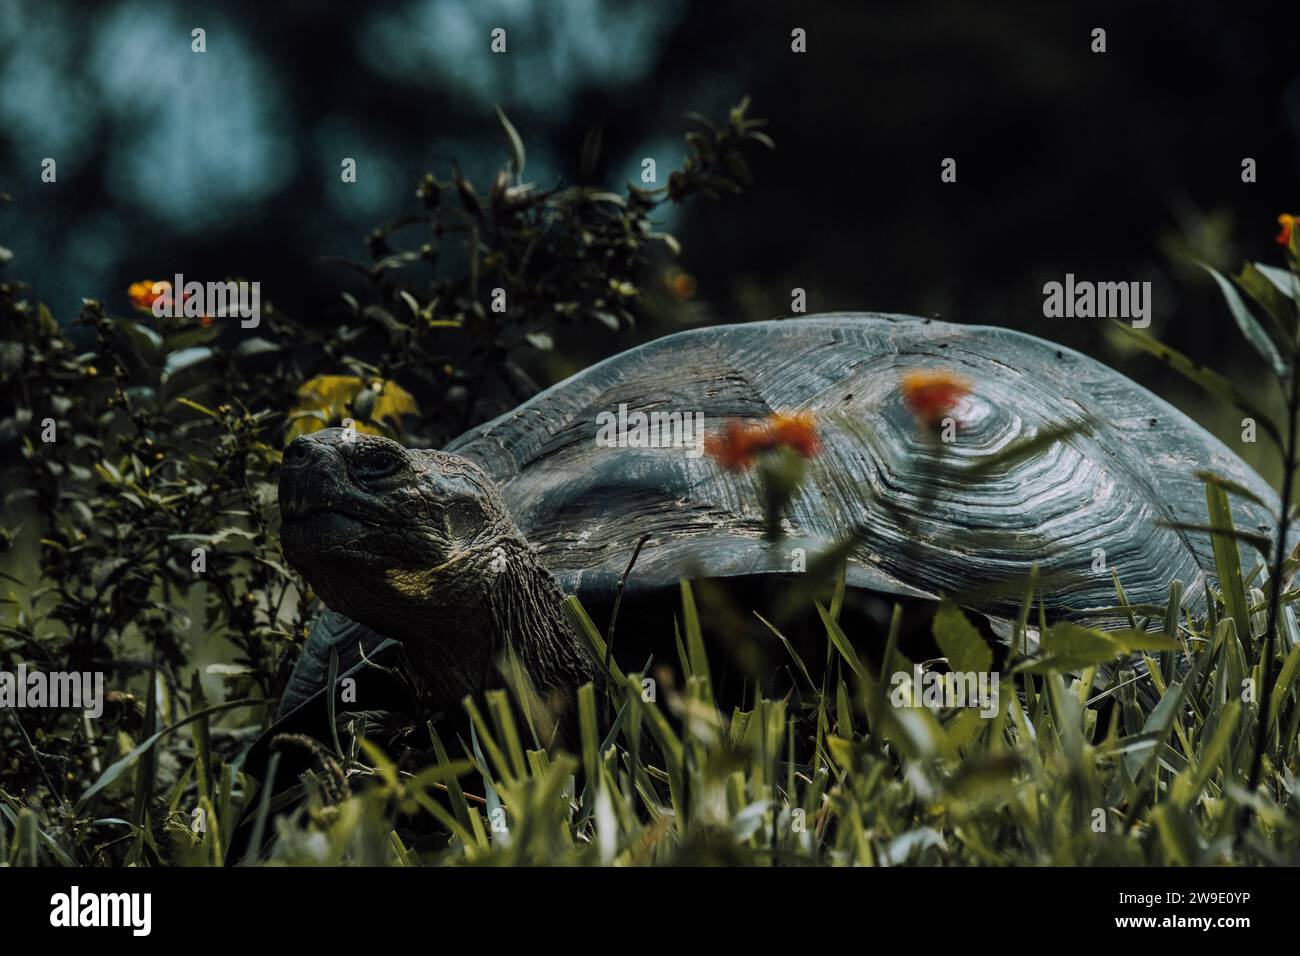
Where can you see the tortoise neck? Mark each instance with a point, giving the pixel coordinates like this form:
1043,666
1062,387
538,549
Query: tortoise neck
527,609
519,612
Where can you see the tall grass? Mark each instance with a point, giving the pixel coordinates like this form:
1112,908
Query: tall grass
832,775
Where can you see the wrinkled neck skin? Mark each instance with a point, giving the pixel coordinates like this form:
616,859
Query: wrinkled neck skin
459,636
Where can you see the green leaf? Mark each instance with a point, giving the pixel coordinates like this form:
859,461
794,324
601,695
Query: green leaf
197,407
183,359
577,615
1162,716
147,343
1248,324
790,649
694,637
959,640
1211,381
1025,448
1260,542
331,707
1069,647
841,643
1227,559
202,739
1130,641
381,762
1285,282
516,143
1192,780
1232,487
115,770
1177,835
1275,303
1283,686
588,738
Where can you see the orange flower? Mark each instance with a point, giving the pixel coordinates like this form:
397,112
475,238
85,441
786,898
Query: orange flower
681,285
1287,222
143,296
739,444
796,431
933,394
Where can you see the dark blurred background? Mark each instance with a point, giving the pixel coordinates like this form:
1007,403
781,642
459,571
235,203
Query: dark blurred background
1112,166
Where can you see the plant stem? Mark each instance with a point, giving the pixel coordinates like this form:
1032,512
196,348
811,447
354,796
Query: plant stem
613,617
1275,587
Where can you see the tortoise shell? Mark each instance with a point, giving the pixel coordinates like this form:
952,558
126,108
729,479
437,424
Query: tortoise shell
933,527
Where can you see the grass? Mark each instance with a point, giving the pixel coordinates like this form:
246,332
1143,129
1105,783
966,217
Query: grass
834,774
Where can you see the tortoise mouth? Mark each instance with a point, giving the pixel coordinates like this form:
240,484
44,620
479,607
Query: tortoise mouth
300,510
308,530
305,501
315,512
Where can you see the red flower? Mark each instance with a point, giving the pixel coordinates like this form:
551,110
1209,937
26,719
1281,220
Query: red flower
931,395
740,443
1287,222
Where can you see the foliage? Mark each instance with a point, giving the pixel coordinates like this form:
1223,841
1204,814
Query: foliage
834,774
142,454
487,280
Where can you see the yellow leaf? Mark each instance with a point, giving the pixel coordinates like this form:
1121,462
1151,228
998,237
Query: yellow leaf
394,402
329,399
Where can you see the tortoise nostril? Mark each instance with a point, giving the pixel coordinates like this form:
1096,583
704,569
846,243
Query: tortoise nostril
297,453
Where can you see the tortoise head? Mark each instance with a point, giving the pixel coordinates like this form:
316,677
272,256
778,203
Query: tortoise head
392,537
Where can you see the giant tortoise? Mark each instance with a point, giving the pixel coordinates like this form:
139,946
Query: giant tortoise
456,554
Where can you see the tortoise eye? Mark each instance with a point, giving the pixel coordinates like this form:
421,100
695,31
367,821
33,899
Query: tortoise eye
379,464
